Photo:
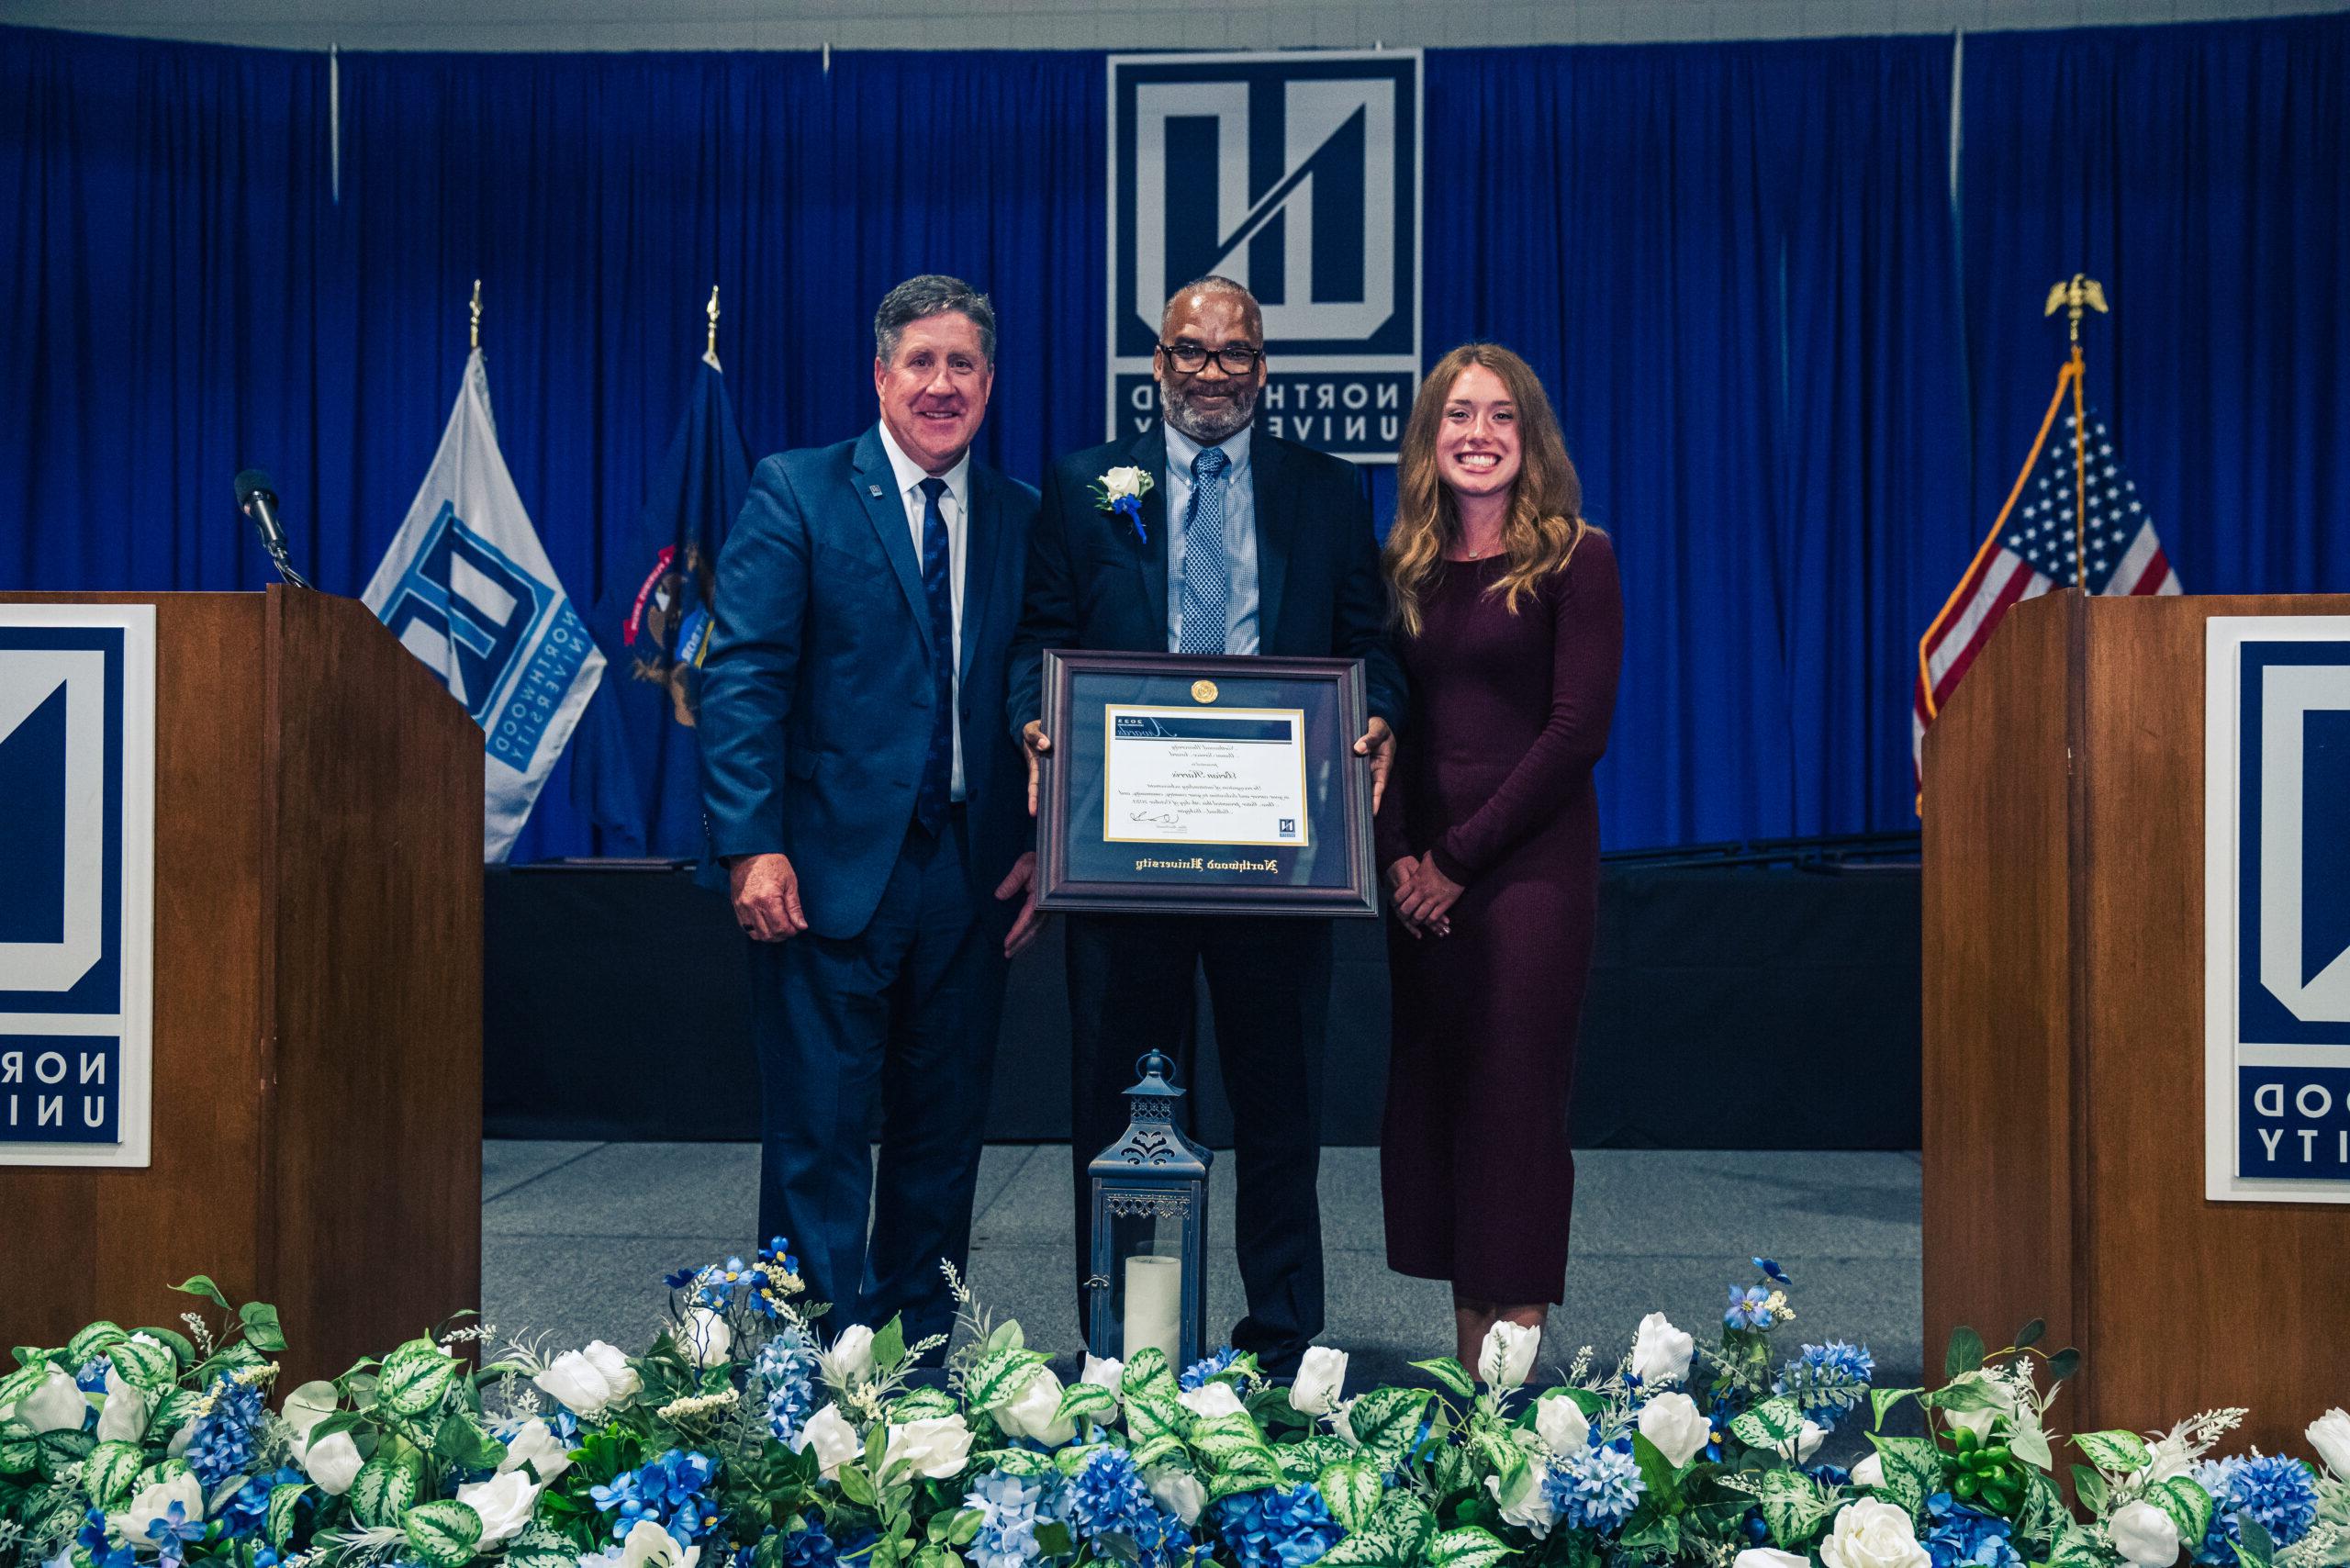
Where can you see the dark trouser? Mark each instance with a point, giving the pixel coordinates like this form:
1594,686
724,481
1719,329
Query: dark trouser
908,1010
1130,980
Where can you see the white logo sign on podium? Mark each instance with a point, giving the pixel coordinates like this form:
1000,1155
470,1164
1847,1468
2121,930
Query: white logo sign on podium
2277,900
77,866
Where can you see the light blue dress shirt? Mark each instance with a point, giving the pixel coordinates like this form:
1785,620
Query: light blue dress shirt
1239,485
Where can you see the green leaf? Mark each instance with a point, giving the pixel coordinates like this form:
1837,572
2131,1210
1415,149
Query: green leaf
857,1486
18,1456
1769,1424
1351,1491
922,1405
1157,1450
1966,1352
463,1443
1385,1420
2064,1364
146,1364
1472,1546
1232,1482
181,1345
110,1473
201,1285
2090,1488
445,1532
1026,1464
1450,1374
890,1347
1089,1401
415,1378
262,1331
2255,1549
23,1381
2188,1503
59,1450
1146,1371
1792,1507
2028,1334
1883,1400
1971,1392
385,1485
1222,1440
1913,1470
1000,1376
92,1341
2115,1452
282,1501
542,1545
1052,1538
1150,1414
2031,1445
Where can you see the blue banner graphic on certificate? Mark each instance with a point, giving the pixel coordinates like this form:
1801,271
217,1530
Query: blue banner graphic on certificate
1204,776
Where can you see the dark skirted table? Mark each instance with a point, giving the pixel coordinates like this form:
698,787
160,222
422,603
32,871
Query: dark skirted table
1729,1008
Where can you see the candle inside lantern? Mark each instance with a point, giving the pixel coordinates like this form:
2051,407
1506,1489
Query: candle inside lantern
1153,1304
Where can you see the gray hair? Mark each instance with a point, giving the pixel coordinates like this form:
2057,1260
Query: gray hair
932,294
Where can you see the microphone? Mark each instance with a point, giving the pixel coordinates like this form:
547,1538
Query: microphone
258,501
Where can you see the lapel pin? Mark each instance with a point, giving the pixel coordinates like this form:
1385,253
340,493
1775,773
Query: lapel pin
874,490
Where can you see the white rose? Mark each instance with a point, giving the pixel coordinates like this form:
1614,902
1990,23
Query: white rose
1119,483
612,1362
332,1461
57,1405
1211,1399
1869,1534
1526,1505
1508,1354
1675,1423
2146,1535
937,1448
123,1418
850,1360
2329,1435
1804,1443
1320,1376
154,1501
504,1503
1561,1424
703,1338
589,1381
1035,1414
1180,1493
2165,1457
1109,1374
1768,1557
536,1446
1661,1352
649,1546
832,1437
1342,1422
1869,1471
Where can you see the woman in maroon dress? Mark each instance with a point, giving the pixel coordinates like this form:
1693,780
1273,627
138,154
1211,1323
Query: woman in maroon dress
1511,627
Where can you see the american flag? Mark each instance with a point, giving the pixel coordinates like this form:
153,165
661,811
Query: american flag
2032,550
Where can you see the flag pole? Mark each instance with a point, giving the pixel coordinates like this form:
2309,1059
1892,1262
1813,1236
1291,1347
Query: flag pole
475,328
711,354
2079,295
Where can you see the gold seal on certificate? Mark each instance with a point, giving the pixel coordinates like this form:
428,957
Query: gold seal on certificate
1246,797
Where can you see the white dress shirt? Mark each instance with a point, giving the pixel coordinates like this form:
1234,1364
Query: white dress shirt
955,506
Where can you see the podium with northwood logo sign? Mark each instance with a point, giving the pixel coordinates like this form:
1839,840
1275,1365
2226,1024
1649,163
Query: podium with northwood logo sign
240,968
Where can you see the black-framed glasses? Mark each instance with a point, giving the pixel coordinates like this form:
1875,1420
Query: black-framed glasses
1238,359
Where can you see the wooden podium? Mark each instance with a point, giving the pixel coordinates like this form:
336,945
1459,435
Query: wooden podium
2065,1038
317,1040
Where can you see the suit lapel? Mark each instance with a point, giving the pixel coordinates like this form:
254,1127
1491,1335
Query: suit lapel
1276,530
876,490
983,533
1149,455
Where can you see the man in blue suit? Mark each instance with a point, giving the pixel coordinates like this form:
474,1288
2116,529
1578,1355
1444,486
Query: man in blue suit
1247,544
872,812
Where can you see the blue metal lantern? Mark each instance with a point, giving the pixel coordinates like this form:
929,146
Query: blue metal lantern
1147,1283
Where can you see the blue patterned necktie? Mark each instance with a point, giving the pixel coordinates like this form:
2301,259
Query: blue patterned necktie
1206,588
937,586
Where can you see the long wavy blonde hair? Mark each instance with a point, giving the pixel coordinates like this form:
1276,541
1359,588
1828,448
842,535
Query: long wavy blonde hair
1545,521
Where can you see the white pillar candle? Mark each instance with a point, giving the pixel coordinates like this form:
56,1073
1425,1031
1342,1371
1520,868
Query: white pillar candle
1153,1304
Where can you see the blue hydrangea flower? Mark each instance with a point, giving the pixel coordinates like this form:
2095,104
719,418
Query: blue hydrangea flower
103,1553
668,1490
784,1376
1278,1527
1197,1375
1011,1507
2275,1489
814,1547
1749,1308
1828,1379
1960,1534
222,1443
249,1509
1596,1489
92,1378
1110,1497
170,1534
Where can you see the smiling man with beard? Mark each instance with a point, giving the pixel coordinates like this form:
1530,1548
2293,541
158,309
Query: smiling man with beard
870,809
1246,544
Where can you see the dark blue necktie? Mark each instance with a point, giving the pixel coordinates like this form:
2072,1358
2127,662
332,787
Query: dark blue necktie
938,589
1207,588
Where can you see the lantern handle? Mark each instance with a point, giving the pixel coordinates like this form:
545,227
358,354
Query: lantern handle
1155,1064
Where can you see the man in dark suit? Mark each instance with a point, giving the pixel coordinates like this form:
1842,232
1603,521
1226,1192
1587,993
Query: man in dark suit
1249,544
870,809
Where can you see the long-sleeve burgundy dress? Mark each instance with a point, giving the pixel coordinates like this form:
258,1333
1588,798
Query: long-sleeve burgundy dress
1509,714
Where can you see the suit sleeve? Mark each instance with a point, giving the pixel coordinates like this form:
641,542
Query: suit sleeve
1359,623
1587,648
1047,609
749,674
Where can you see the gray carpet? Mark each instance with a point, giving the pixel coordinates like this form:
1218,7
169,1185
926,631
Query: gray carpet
577,1237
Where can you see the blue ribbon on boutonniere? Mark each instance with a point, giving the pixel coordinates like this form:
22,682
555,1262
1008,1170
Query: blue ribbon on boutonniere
1119,493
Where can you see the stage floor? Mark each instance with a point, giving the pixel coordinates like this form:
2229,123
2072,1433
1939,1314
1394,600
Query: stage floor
576,1238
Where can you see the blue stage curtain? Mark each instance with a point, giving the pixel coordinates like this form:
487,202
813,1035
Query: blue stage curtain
2200,174
1734,265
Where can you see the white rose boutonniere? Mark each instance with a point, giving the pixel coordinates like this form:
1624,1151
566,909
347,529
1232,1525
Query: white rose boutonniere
1120,492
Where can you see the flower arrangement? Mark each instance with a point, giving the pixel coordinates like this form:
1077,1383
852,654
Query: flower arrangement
741,1440
1119,492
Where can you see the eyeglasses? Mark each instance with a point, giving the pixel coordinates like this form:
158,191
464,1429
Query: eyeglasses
1238,359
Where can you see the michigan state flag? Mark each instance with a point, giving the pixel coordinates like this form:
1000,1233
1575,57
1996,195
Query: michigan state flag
466,587
638,773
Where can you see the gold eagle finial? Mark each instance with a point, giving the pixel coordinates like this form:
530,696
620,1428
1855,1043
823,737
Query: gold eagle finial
2077,296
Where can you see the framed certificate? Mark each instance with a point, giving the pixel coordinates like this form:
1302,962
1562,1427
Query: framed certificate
1189,784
